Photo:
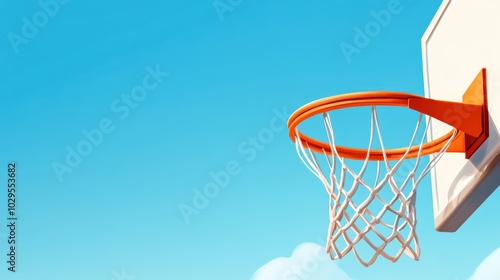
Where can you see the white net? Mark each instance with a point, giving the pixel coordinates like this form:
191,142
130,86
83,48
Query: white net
377,218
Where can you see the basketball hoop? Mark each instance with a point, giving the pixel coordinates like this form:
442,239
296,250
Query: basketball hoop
354,219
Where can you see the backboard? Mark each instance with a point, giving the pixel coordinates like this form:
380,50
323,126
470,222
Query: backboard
463,38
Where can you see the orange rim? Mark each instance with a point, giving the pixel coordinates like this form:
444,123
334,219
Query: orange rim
371,98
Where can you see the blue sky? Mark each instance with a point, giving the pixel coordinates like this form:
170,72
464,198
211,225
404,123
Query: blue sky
161,99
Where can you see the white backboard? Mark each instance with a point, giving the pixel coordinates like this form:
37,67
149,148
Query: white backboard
463,38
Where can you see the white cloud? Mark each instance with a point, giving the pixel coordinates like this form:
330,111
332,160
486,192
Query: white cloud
307,262
489,269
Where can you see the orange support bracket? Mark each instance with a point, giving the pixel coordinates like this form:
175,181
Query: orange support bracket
470,116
